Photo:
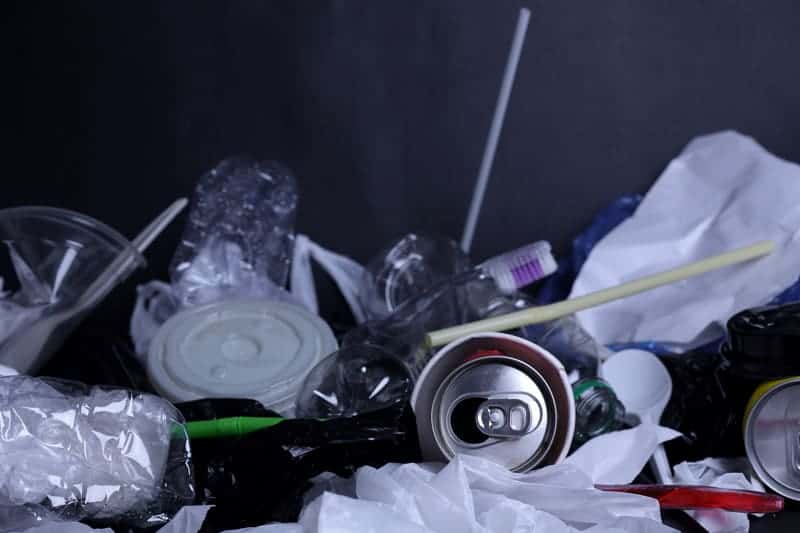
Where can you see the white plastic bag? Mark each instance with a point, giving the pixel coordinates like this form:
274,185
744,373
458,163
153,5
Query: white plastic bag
616,458
346,273
475,495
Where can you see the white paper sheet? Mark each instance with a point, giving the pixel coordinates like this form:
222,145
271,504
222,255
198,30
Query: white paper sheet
723,191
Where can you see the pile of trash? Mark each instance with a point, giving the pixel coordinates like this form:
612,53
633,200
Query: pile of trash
648,374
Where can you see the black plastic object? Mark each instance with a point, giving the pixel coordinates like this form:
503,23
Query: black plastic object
213,408
711,390
764,343
700,409
262,477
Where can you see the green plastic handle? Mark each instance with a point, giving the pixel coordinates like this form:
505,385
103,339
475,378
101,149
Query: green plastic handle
229,427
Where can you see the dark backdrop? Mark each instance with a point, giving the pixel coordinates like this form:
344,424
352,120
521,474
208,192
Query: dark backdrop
381,108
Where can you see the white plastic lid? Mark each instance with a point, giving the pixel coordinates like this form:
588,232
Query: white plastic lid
238,349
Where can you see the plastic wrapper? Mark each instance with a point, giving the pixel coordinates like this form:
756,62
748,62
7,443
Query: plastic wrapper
240,233
76,453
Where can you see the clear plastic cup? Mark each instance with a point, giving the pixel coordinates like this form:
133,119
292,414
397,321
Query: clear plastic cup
62,261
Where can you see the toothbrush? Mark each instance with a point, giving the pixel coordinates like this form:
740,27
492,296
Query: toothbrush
518,268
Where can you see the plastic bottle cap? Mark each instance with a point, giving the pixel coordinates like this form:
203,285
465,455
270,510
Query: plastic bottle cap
238,349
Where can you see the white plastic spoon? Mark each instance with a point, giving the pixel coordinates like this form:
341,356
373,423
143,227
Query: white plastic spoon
644,387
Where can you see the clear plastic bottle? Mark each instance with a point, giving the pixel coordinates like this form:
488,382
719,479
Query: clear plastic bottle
409,267
417,264
240,232
375,348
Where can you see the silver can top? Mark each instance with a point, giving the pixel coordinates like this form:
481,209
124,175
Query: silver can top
772,438
496,407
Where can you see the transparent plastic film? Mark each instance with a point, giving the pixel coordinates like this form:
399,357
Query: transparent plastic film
71,452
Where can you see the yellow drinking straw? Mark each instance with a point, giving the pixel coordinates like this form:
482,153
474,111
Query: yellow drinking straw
536,315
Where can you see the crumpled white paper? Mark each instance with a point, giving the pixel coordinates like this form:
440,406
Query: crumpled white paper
724,474
724,191
617,457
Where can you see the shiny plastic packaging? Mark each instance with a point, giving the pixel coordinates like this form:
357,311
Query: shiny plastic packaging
70,452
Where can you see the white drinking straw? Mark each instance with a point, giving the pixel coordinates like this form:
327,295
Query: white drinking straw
494,132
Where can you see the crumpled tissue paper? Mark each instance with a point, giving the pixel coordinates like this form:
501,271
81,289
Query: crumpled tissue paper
724,191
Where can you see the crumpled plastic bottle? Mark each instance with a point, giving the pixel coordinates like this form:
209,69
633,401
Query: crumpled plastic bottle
240,233
71,452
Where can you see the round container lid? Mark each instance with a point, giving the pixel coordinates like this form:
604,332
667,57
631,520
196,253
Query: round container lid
772,438
243,349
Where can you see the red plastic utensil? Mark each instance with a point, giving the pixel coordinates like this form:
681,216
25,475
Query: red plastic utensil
700,497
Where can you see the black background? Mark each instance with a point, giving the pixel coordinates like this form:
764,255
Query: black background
381,108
